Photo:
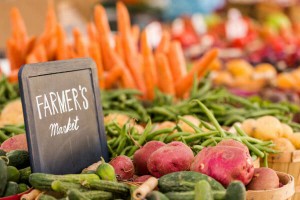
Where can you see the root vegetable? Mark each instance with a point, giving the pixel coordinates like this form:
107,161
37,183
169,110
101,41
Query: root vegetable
234,143
175,156
123,167
286,131
142,179
225,164
263,179
185,127
249,126
283,144
142,155
267,128
295,139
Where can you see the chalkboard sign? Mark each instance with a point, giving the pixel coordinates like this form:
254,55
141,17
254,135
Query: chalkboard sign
63,115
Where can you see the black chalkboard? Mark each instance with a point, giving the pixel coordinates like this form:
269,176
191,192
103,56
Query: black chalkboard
63,115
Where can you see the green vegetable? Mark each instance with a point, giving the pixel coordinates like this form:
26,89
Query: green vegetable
63,187
43,181
96,195
236,191
185,181
46,197
22,187
13,174
24,174
3,176
76,195
11,189
18,158
180,195
109,186
106,172
156,195
203,191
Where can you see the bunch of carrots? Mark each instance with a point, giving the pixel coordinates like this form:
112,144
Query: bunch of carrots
129,63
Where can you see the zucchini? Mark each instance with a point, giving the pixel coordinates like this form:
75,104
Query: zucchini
108,186
46,197
43,181
13,174
18,158
63,187
12,188
180,195
76,195
236,191
22,187
185,181
95,195
3,176
156,195
24,175
203,191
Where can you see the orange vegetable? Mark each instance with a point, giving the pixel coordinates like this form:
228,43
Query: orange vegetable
95,54
164,44
13,76
18,27
92,32
165,80
200,68
61,50
80,47
113,75
135,31
118,48
176,60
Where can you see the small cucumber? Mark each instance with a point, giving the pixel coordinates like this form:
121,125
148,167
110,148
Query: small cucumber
95,195
180,195
3,176
12,188
236,191
24,175
156,195
63,187
185,181
22,187
108,186
18,158
203,191
46,197
88,172
76,195
106,172
13,174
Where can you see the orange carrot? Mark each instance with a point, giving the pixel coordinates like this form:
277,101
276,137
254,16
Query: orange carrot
14,54
18,27
61,50
92,32
164,44
177,60
13,76
38,54
135,31
165,81
118,48
131,55
95,54
113,75
30,45
102,26
200,68
80,46
149,69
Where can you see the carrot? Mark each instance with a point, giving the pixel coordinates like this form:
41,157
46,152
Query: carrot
118,48
165,80
80,47
113,75
92,32
176,60
13,76
135,31
200,68
95,54
164,43
38,54
19,32
14,54
131,55
102,26
149,69
30,45
61,50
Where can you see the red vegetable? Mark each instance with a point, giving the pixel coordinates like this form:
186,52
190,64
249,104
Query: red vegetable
123,167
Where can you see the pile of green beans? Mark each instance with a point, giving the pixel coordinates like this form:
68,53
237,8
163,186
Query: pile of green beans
9,131
8,91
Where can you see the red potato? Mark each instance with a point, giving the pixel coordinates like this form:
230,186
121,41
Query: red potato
175,156
264,179
17,142
225,164
142,179
142,155
123,167
233,143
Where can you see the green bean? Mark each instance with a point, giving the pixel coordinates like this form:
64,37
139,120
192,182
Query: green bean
158,132
3,137
266,149
125,150
13,129
260,113
242,101
111,141
266,160
163,138
121,145
162,111
207,125
171,137
211,118
211,140
253,148
197,136
254,157
193,126
232,119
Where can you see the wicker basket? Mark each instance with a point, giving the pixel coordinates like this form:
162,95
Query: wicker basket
283,193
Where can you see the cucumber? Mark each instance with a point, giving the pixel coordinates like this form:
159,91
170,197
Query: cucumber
203,191
3,176
63,187
13,174
46,197
185,181
88,172
12,188
76,195
22,187
24,175
2,152
236,191
180,195
43,181
106,171
95,195
108,186
18,158
156,195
